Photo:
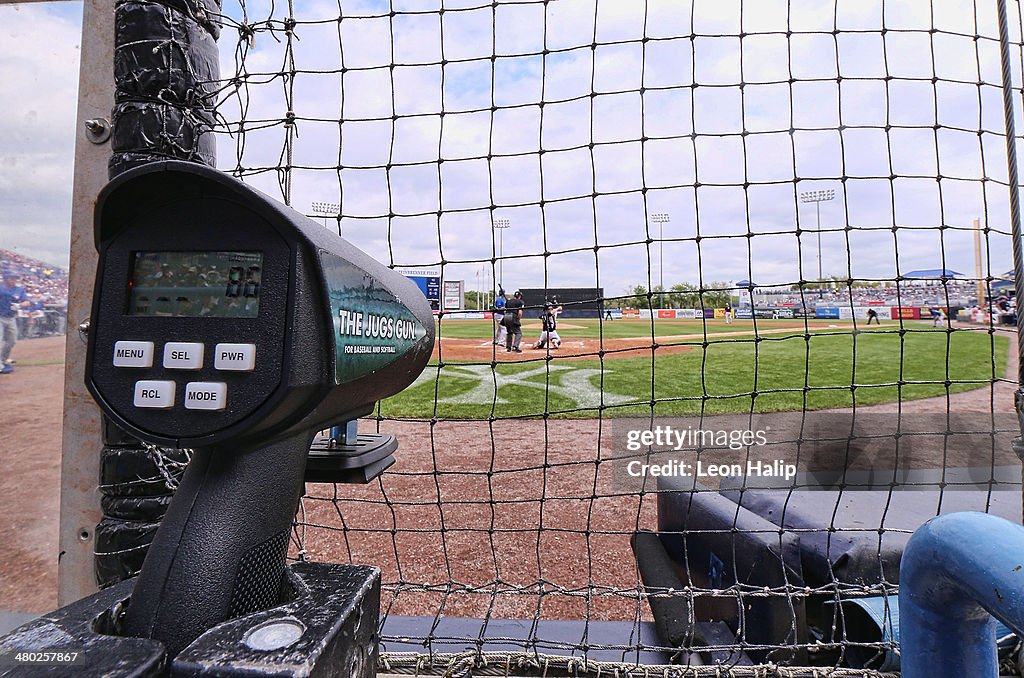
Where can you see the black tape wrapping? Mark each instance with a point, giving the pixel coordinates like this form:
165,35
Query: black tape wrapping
145,509
161,54
121,547
207,13
158,131
165,68
133,472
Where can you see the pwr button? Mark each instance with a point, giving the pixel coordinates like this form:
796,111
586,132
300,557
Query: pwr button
154,394
235,357
206,395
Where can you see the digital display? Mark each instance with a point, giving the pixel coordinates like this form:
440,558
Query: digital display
196,284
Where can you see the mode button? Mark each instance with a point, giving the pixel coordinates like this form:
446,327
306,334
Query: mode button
206,395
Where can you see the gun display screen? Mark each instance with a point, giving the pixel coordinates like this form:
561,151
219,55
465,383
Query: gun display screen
196,284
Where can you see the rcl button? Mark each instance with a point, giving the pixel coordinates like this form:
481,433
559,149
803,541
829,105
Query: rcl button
206,395
183,355
154,394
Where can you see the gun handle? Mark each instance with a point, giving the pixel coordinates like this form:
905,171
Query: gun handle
220,551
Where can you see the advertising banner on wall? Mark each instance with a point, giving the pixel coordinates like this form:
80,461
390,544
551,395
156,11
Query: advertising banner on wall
905,312
829,312
686,313
861,312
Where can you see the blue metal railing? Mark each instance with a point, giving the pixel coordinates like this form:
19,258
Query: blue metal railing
958,572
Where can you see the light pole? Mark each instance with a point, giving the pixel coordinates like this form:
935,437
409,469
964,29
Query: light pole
501,225
327,209
818,197
661,218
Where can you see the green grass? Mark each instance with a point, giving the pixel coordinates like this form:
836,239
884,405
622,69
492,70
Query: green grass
786,372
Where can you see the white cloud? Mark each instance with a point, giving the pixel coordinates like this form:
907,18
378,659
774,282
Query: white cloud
39,47
394,91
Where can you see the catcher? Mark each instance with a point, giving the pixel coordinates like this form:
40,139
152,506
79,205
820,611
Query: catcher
549,325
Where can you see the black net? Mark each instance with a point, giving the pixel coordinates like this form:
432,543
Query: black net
776,238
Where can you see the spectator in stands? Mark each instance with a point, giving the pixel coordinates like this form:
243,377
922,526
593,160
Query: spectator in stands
513,322
499,313
46,290
12,296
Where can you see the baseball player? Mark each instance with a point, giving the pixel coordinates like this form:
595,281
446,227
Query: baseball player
548,327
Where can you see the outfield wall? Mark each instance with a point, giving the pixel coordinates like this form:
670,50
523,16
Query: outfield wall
783,313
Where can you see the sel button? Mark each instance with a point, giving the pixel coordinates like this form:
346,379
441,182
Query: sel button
235,357
182,355
206,395
154,394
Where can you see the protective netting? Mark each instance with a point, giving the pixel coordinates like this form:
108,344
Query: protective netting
773,204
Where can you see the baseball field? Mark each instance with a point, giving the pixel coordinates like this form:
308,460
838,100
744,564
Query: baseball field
672,367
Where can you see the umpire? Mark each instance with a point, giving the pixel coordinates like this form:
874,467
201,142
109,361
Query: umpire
513,322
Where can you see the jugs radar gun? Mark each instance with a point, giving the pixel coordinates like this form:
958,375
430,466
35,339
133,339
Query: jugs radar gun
225,322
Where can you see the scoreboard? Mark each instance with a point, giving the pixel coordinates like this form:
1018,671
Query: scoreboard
428,279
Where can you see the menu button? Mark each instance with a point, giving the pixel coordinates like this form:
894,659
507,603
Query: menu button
133,354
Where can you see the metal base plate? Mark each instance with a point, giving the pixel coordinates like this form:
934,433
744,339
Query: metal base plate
361,462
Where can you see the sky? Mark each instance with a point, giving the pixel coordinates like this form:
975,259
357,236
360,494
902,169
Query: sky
39,57
643,114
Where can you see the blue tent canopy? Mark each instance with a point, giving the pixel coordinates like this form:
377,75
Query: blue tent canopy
932,273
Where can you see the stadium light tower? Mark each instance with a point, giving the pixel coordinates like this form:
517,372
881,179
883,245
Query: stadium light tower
501,225
327,210
818,197
661,218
